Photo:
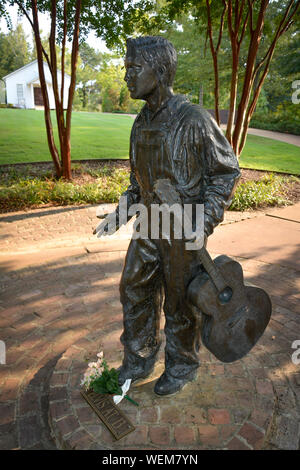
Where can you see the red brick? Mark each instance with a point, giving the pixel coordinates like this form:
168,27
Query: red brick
208,434
86,414
79,440
252,435
184,435
195,415
148,415
236,444
264,387
67,425
9,391
63,365
235,369
159,435
59,410
260,418
170,415
59,380
259,373
58,393
7,413
217,416
29,401
227,431
216,369
137,437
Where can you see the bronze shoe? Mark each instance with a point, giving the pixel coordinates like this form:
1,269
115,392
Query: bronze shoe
125,373
167,384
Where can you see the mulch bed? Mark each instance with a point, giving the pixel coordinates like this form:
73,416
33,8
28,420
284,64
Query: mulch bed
81,177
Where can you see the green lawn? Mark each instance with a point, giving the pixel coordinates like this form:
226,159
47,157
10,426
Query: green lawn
96,135
261,153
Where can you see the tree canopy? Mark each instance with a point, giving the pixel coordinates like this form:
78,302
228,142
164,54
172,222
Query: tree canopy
14,50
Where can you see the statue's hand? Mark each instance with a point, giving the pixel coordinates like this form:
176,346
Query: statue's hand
108,226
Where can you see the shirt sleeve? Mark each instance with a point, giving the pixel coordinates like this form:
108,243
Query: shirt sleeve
221,173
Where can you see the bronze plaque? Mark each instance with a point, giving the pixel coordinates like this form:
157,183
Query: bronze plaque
113,418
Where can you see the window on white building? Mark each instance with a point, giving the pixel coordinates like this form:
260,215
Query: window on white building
20,94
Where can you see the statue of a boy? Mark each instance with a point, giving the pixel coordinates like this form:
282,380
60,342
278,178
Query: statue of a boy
176,140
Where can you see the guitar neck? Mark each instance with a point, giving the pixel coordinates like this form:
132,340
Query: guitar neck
167,194
212,270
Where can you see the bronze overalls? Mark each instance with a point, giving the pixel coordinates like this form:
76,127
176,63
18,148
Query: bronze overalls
156,272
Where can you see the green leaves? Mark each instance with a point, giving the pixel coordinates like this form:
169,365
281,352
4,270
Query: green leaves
107,383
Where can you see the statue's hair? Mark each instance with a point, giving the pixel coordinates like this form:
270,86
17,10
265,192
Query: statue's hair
159,53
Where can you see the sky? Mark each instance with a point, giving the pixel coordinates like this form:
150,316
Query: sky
44,21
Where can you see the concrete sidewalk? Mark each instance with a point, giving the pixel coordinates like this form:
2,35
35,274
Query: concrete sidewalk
59,286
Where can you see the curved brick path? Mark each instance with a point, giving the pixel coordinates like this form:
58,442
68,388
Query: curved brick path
61,303
229,406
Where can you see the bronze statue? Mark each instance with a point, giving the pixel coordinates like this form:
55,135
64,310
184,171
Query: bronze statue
179,141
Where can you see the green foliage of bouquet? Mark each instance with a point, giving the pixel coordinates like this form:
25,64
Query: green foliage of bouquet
107,382
99,378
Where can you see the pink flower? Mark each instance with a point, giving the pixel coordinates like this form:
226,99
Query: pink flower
93,364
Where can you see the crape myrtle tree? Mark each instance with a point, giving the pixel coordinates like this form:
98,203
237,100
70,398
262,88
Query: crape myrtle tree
71,21
253,28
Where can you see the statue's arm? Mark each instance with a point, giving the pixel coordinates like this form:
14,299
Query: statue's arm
221,174
132,194
112,222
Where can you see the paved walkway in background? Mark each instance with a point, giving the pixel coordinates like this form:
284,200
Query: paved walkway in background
59,286
282,136
288,138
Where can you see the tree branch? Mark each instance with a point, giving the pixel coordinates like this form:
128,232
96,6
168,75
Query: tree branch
63,55
34,30
221,27
250,8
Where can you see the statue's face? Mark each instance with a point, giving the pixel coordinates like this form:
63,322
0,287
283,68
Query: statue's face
140,77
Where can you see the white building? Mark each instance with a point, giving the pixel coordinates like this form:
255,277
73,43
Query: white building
23,87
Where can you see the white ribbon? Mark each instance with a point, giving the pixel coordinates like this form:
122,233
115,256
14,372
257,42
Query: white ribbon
125,387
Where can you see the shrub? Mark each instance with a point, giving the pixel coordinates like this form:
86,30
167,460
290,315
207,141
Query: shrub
20,189
286,119
269,191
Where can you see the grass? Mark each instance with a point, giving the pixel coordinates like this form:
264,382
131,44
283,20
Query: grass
262,153
96,135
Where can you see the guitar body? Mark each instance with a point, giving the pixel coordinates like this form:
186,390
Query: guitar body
232,325
235,315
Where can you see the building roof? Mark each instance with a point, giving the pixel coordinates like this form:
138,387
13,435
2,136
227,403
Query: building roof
28,65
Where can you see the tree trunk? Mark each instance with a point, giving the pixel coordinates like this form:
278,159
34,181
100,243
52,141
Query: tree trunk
248,79
75,49
48,122
53,61
233,94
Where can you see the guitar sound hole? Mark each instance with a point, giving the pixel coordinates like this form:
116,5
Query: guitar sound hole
225,295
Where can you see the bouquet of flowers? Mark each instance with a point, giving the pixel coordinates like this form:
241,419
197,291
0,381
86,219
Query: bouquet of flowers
99,378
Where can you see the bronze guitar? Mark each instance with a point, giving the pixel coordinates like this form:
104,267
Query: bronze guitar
235,315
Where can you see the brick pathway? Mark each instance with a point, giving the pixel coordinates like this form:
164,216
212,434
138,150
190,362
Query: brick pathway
60,302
